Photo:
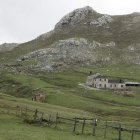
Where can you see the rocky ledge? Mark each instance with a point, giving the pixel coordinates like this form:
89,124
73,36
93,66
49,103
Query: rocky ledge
73,51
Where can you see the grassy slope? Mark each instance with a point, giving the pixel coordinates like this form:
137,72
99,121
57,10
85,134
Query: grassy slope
70,100
62,89
12,129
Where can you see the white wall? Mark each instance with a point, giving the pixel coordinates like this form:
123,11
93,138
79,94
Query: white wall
103,83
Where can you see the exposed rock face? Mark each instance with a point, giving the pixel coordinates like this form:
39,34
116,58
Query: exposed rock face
7,47
132,54
75,17
103,20
73,51
136,19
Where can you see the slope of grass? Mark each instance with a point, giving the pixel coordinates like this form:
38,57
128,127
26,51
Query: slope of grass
12,128
128,72
109,96
69,100
62,90
7,102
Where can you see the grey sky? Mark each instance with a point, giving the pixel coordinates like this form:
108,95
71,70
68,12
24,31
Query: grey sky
24,20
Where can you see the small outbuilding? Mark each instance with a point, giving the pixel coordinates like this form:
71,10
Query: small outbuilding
38,96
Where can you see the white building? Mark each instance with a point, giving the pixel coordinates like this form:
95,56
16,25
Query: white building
103,82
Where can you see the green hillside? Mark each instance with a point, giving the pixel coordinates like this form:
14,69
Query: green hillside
66,97
62,89
58,63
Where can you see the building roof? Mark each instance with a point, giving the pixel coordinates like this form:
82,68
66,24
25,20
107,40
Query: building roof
95,75
117,81
100,76
132,83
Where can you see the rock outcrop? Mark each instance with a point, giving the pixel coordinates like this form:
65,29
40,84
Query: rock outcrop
103,20
64,53
76,17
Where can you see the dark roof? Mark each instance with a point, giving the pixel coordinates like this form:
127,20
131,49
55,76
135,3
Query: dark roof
100,76
115,81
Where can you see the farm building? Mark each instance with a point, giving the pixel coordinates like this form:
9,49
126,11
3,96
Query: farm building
38,96
103,82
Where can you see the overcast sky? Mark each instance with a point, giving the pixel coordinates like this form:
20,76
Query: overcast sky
24,20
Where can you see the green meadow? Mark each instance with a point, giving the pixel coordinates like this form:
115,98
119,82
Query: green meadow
65,96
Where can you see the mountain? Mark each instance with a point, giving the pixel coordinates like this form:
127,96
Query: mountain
82,37
7,47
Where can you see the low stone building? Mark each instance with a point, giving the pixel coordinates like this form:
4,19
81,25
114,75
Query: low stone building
38,96
103,82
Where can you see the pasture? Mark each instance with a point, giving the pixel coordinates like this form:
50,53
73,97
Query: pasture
66,97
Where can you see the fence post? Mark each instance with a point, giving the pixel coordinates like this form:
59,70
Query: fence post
83,126
105,129
21,112
94,126
41,119
119,131
8,111
49,121
35,115
75,122
26,112
17,110
56,119
132,136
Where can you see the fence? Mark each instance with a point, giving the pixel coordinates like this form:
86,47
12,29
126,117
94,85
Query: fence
94,123
78,125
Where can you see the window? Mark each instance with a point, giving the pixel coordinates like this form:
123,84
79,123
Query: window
115,85
110,85
121,85
100,85
100,79
105,85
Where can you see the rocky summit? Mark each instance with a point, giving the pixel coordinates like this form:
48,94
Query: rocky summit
76,17
82,37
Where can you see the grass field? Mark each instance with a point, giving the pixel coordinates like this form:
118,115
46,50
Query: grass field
12,128
66,97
